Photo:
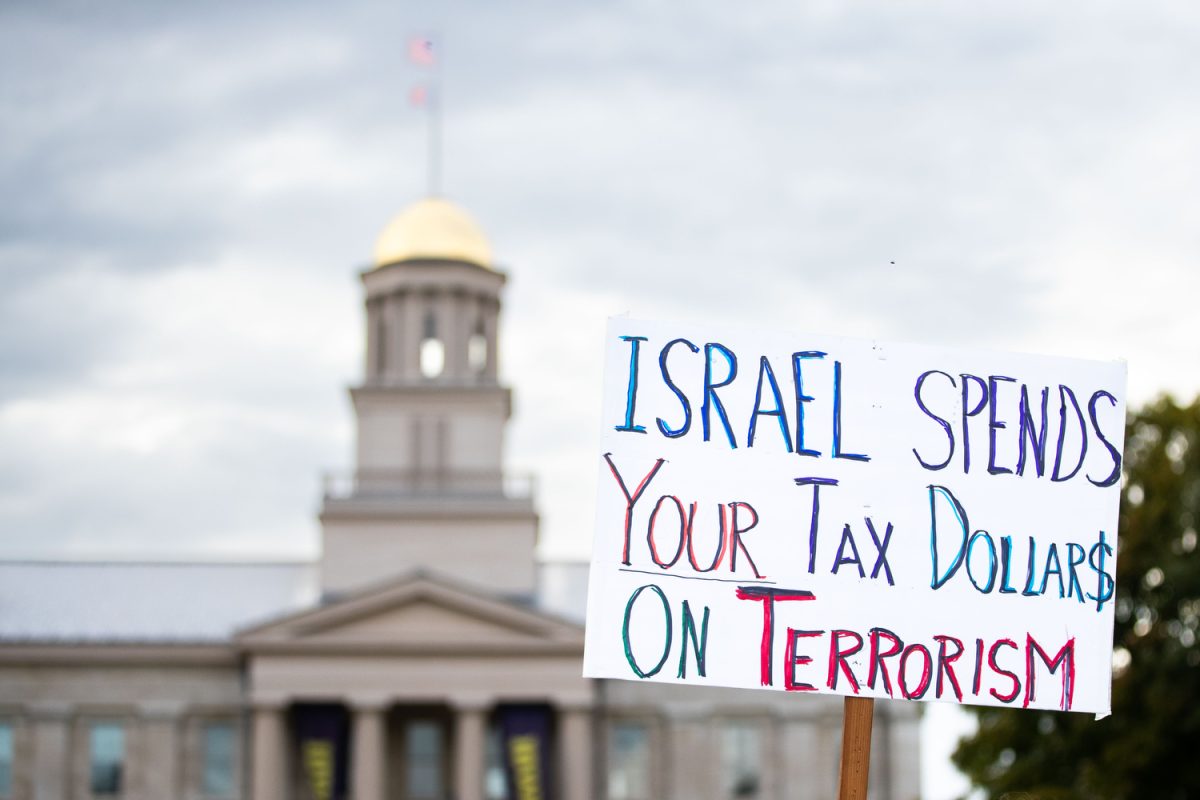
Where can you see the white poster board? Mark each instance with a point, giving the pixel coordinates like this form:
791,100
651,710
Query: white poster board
819,514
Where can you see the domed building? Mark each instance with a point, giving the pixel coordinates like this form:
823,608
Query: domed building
426,655
433,229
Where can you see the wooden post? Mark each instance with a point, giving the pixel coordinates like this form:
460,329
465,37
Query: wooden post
858,714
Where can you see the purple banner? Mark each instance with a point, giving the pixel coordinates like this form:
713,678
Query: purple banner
321,732
525,736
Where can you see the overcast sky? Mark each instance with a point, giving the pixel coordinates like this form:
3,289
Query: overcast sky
190,189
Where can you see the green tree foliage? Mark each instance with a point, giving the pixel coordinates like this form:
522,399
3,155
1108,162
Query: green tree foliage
1150,746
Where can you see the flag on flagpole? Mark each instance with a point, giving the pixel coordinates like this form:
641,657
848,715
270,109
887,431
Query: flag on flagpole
420,51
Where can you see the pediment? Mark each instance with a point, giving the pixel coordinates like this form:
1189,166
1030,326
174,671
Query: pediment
419,614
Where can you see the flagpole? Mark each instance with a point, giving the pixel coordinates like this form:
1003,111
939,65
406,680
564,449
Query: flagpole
424,52
433,166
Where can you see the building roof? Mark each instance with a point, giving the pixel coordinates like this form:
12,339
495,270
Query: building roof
418,611
435,229
74,601
189,602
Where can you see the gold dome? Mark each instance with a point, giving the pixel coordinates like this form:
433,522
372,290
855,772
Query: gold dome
433,228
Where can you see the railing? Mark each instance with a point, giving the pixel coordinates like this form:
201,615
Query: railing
427,483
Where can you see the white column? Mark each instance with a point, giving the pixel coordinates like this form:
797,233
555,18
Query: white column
368,753
396,349
470,751
410,331
457,330
879,785
801,769
577,753
374,317
773,757
269,754
446,331
51,752
829,744
159,761
694,765
490,330
902,725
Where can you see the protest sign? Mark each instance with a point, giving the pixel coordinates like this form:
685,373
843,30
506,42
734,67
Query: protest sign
820,514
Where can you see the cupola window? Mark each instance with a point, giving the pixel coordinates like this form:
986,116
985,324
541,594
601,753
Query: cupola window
477,349
433,351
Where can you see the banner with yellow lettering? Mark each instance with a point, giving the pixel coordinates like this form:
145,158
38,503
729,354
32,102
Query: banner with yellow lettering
525,738
321,731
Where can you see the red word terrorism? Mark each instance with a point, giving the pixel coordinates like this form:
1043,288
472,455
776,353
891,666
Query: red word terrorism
947,666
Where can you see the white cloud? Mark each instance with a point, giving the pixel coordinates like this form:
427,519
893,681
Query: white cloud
200,185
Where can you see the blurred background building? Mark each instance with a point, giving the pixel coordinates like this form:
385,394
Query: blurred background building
426,655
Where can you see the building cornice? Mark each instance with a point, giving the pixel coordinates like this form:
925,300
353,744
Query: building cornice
214,654
468,650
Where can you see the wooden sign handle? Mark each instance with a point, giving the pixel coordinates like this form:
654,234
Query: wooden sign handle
857,717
